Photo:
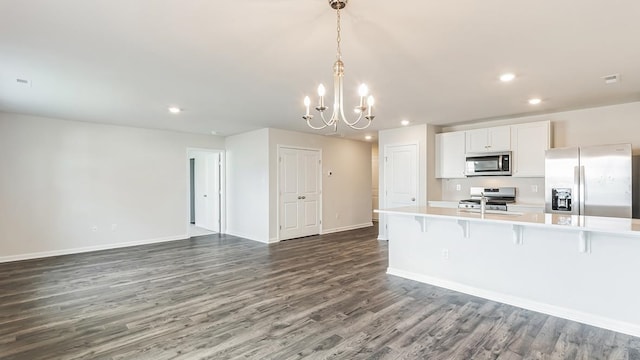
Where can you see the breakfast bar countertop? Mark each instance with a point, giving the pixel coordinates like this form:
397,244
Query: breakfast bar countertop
558,221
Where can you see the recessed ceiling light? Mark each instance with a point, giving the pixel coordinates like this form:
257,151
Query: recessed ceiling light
368,137
506,77
175,110
534,101
405,122
213,132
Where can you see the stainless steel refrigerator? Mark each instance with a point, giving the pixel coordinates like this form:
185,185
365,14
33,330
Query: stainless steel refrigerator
593,180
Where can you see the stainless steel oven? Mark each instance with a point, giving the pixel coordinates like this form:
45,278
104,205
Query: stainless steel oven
488,164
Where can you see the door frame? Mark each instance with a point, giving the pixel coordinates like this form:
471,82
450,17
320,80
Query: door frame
222,199
320,175
383,233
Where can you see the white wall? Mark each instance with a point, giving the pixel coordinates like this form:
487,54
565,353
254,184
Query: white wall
429,187
61,178
594,126
346,195
248,176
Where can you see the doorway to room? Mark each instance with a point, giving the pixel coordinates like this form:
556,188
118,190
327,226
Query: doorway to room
400,180
205,168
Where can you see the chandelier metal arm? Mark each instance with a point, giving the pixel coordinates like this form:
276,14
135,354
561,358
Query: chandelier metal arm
330,122
316,127
361,127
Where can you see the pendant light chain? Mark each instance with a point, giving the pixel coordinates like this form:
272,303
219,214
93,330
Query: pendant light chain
339,54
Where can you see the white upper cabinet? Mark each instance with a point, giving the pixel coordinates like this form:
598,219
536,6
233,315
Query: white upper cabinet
488,140
529,142
450,155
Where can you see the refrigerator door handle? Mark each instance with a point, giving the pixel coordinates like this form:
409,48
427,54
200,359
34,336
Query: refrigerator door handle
581,190
576,191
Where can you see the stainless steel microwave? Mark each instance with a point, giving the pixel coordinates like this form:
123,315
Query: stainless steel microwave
487,164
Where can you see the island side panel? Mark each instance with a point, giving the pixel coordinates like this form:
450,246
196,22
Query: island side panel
545,273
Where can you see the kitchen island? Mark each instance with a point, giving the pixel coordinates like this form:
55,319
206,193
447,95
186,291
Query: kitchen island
582,268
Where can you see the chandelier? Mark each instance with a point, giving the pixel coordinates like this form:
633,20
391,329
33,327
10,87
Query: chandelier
364,109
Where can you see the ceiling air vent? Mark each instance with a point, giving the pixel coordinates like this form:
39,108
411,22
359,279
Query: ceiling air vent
611,79
23,82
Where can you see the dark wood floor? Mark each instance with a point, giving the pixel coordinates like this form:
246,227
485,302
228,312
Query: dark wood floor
221,297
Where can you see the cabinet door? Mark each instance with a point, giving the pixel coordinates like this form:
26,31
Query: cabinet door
476,140
499,138
530,141
450,156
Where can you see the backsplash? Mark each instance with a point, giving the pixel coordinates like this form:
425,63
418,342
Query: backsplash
524,187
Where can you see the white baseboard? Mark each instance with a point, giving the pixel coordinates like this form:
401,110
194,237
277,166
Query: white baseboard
562,312
44,254
233,233
346,228
382,237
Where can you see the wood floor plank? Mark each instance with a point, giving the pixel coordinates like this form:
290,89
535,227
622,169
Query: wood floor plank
223,297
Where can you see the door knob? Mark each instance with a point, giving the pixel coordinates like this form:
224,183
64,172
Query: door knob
304,197
204,195
413,199
299,197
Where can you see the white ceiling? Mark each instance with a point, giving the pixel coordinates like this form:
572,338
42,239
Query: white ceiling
241,65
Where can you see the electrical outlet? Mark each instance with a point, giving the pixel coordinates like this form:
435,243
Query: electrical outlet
445,254
337,216
114,227
94,228
534,188
458,187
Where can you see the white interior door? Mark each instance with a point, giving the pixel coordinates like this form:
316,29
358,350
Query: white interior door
401,175
207,190
299,192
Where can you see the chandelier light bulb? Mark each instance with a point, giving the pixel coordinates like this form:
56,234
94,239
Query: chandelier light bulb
371,101
321,90
307,102
363,90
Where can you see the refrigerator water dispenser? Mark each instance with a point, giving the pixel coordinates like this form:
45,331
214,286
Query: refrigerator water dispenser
561,199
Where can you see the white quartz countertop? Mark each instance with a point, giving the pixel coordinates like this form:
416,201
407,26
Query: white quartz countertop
447,203
558,221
